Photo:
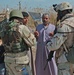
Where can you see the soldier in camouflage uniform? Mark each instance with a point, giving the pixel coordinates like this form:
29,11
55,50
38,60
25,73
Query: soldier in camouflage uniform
63,41
17,39
25,22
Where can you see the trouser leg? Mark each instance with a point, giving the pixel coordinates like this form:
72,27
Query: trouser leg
64,69
13,69
2,69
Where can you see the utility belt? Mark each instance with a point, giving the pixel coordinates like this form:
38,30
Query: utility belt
12,54
17,58
15,51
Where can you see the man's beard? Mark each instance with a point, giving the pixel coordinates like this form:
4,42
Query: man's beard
45,23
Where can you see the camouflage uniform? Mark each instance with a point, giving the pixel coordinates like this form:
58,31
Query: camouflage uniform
63,41
16,57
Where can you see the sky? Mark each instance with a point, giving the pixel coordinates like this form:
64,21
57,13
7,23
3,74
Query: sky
31,3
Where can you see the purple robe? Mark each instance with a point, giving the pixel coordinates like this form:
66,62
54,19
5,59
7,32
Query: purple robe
42,52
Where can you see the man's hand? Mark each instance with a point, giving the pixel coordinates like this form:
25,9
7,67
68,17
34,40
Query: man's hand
51,34
36,34
1,42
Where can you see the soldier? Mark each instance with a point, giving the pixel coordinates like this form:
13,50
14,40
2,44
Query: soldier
26,17
17,39
25,22
63,41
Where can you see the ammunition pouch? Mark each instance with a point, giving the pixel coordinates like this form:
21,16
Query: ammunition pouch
70,55
17,58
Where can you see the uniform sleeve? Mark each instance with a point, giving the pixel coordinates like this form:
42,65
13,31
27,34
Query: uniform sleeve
27,35
59,38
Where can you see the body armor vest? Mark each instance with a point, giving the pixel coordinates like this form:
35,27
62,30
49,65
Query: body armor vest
12,40
69,47
69,43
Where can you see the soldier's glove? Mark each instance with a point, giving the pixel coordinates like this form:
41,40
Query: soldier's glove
50,55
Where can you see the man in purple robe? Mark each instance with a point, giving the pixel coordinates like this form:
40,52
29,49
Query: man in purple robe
43,34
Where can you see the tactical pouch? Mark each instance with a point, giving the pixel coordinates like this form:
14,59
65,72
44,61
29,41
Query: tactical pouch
16,48
70,55
18,58
22,60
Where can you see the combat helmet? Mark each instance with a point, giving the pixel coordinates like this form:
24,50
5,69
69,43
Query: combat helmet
63,6
15,14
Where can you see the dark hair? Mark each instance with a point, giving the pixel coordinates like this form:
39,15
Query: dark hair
25,14
45,14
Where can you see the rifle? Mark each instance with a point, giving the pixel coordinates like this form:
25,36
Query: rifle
50,55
